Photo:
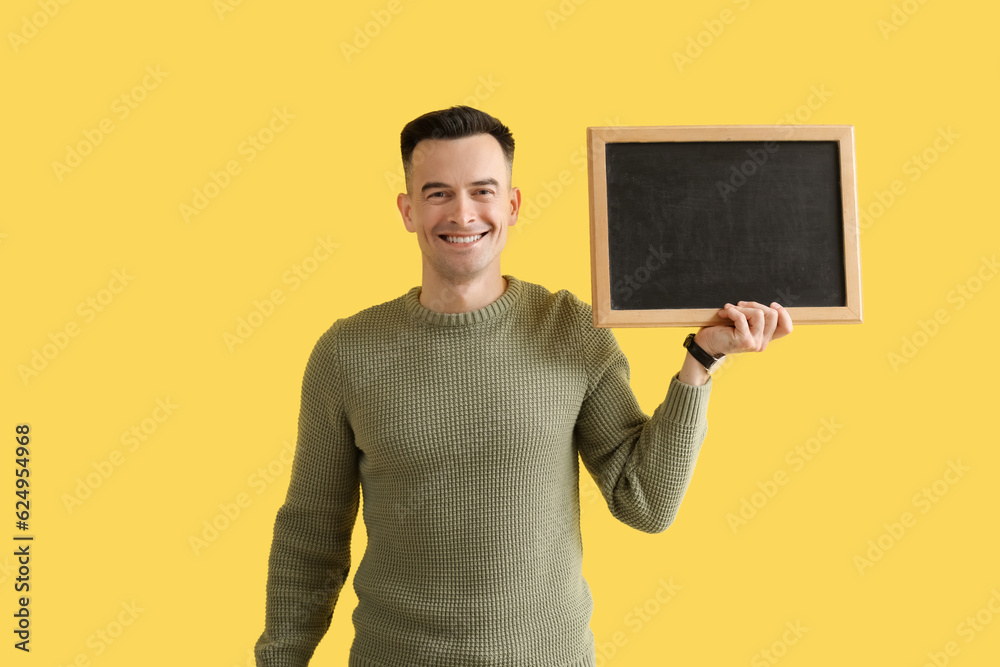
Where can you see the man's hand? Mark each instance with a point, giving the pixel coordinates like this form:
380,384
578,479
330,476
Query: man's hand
754,326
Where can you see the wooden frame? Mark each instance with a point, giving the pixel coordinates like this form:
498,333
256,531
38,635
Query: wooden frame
599,137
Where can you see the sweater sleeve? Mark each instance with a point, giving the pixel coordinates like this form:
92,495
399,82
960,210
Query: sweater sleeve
311,547
641,464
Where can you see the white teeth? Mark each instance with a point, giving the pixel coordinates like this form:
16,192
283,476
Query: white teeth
459,239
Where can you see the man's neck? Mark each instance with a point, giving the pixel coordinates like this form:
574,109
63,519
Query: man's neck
448,297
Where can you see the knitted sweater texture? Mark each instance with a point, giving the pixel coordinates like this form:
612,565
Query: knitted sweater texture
464,432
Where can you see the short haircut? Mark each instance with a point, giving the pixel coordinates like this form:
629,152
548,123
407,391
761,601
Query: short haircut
453,123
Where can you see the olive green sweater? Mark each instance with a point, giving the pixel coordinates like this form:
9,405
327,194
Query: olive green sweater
463,431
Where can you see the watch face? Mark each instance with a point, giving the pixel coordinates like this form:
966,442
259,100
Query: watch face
718,362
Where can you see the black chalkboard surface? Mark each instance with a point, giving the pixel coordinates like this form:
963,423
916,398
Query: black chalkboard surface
684,219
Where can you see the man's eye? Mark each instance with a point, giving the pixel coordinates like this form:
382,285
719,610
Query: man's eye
435,194
484,192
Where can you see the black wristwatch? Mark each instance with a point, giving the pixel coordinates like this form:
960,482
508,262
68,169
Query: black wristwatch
700,355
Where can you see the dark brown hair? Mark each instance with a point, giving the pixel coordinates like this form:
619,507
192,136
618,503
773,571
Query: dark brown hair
453,123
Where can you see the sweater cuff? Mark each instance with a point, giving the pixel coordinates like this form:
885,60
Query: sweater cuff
686,403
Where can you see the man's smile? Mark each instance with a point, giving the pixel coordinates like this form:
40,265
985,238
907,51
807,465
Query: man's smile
463,240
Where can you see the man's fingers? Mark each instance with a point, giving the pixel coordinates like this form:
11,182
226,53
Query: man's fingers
784,320
761,320
757,325
770,323
757,328
739,317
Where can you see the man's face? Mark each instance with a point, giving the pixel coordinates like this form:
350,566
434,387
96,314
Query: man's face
459,188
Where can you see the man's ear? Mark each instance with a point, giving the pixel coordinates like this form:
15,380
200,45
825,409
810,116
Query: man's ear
515,204
405,209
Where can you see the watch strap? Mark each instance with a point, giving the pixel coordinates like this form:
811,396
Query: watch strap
700,355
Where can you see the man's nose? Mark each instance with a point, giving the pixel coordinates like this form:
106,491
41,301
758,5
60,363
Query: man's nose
464,210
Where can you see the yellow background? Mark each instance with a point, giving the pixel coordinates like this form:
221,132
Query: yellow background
333,172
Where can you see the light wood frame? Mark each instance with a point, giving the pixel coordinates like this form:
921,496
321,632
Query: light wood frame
598,137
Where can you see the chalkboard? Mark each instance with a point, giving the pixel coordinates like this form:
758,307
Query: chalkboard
684,219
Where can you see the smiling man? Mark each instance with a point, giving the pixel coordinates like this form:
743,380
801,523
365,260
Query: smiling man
461,205
462,409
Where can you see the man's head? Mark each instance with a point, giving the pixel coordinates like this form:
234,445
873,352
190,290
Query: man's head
459,199
454,123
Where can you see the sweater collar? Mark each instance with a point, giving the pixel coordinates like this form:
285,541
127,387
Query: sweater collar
493,310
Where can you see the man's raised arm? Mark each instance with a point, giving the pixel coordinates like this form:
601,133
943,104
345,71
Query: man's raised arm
641,464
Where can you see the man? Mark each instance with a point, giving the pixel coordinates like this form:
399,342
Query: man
462,409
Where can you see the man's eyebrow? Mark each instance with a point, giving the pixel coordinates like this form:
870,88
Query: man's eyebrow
486,181
438,184
434,184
